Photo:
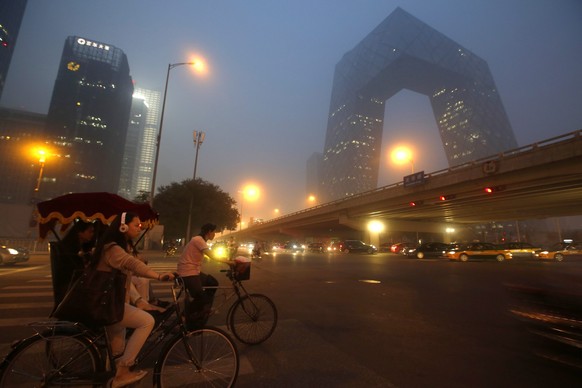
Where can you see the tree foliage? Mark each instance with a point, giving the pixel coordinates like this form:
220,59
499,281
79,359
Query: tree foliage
209,204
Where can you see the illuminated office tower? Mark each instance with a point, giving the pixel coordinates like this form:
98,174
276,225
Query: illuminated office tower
89,114
405,53
140,147
11,13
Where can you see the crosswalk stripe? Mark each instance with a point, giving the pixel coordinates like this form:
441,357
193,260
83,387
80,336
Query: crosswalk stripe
25,305
24,294
47,287
22,321
12,271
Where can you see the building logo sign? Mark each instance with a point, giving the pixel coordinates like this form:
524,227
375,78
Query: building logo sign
85,42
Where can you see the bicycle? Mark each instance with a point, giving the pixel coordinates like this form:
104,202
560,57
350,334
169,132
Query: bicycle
65,353
252,318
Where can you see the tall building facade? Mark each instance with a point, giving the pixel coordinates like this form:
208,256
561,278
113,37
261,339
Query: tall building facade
403,52
88,116
140,147
20,166
130,155
11,13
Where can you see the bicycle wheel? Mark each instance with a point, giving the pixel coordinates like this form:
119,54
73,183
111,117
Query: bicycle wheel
202,358
48,361
253,319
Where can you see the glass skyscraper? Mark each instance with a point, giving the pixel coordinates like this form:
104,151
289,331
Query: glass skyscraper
88,116
11,13
405,53
140,147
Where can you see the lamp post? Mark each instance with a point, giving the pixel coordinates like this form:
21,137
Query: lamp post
198,139
242,198
250,192
159,138
41,160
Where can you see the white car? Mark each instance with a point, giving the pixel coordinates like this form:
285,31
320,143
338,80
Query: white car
9,256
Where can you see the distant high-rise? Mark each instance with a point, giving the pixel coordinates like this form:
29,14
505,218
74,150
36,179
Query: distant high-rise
403,52
20,136
89,114
140,147
11,13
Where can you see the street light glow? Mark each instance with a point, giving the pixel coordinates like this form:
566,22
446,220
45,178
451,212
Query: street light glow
251,192
199,65
401,155
375,226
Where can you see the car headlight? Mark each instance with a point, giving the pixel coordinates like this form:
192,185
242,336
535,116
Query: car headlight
12,251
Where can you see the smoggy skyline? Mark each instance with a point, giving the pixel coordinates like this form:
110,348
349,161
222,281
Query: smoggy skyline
265,99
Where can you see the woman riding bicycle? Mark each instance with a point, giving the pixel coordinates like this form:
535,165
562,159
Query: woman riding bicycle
116,250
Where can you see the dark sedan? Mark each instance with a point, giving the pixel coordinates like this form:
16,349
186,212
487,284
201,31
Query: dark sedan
349,246
429,249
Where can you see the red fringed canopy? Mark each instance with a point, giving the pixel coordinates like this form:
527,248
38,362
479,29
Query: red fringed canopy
89,207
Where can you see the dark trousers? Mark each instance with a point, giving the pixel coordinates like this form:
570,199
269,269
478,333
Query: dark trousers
202,298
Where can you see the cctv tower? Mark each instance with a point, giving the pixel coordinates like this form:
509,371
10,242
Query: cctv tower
405,53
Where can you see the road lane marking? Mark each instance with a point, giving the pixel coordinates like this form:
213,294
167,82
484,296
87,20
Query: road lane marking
22,306
28,287
12,271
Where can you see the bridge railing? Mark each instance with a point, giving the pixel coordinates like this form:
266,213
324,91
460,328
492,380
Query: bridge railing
567,137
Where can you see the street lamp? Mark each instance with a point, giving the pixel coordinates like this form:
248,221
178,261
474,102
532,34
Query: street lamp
250,192
198,139
311,199
41,160
198,66
401,155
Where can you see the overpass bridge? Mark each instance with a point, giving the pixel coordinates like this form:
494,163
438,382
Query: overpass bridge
538,181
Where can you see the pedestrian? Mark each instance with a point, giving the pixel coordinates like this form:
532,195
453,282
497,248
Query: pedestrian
115,250
190,269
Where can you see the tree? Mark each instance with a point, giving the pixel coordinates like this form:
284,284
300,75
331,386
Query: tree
142,197
210,204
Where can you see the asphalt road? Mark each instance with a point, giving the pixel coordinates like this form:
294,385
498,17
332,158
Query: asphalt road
351,320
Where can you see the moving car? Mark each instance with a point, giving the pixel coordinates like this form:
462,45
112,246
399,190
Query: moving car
315,247
348,246
385,247
294,246
429,249
562,250
10,256
478,250
401,247
520,250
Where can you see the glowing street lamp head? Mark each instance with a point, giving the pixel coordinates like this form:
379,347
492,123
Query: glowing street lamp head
376,226
251,192
401,155
199,65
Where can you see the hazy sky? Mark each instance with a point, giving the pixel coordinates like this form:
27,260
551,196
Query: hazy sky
265,102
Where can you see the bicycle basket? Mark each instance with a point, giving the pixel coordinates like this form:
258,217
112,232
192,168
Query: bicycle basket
242,270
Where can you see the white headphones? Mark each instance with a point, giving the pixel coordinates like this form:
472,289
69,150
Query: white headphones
123,226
